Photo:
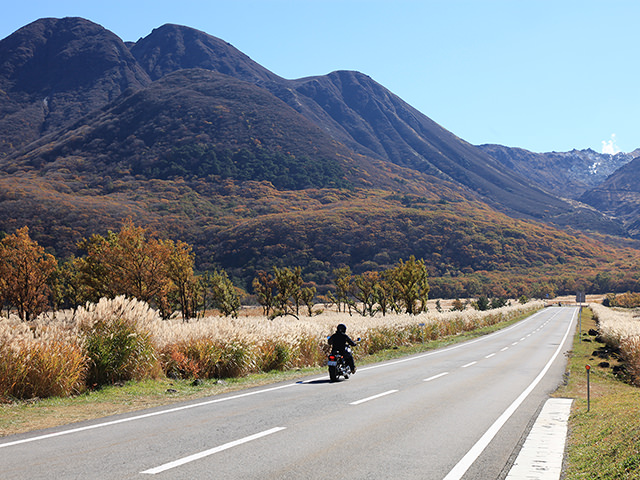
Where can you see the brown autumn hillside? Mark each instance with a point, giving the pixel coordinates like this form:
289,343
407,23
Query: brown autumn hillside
252,179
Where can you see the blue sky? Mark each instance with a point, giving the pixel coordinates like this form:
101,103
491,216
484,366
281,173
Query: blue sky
537,74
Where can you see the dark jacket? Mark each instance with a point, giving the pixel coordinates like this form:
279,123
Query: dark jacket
339,341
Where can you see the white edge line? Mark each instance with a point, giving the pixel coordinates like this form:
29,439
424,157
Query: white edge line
436,376
373,397
463,465
206,453
146,415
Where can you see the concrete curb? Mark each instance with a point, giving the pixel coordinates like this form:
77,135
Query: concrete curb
543,450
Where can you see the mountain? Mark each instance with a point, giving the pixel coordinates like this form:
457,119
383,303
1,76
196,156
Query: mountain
174,47
199,123
54,71
187,135
351,107
619,196
566,174
366,117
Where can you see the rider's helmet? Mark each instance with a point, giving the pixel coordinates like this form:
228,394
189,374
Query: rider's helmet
342,328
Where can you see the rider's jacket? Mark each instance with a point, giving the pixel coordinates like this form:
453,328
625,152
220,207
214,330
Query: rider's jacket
339,341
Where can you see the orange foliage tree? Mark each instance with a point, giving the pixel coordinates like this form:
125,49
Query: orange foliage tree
25,270
135,263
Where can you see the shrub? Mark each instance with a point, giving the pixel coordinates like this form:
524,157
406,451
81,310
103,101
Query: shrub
117,340
191,358
52,369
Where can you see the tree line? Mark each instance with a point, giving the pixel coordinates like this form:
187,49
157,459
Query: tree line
133,262
136,263
401,289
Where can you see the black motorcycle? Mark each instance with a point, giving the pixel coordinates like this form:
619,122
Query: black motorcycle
338,365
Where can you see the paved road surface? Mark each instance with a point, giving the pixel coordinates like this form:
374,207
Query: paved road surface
458,412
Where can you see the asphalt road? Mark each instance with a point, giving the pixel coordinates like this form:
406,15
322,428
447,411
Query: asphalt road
458,412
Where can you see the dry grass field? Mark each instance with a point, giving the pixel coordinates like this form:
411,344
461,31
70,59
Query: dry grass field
117,340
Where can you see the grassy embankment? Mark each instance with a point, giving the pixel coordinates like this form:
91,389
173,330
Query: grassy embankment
604,442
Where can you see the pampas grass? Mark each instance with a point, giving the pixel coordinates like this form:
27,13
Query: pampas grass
121,339
40,359
117,338
210,346
620,329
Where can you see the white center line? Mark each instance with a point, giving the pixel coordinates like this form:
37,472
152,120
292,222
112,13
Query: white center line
504,349
468,364
436,376
490,355
358,402
206,453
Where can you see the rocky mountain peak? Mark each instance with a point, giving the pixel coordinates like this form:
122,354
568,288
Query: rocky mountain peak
175,47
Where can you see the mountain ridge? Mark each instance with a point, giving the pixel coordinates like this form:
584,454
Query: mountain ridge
54,71
254,171
567,174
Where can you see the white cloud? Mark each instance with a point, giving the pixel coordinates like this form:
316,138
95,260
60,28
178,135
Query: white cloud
609,146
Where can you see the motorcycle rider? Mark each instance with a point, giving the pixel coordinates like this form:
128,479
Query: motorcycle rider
339,342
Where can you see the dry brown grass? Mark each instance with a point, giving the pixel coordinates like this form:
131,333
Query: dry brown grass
620,330
212,347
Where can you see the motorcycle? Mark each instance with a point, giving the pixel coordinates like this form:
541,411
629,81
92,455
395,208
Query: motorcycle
338,365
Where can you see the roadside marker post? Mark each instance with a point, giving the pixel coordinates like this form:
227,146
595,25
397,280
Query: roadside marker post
588,367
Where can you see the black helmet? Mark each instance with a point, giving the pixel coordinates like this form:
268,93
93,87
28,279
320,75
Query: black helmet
342,328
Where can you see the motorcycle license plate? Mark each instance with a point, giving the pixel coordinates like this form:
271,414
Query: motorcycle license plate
332,363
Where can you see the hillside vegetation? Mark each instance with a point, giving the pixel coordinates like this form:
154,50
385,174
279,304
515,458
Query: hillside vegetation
186,135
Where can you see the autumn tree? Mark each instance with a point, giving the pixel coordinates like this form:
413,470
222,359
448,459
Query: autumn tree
68,292
180,271
365,289
264,287
343,288
25,270
288,283
224,296
386,293
411,284
280,293
136,263
308,295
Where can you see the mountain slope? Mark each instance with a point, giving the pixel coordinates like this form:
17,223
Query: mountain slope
366,117
199,123
54,71
173,47
381,122
619,196
566,174
259,171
